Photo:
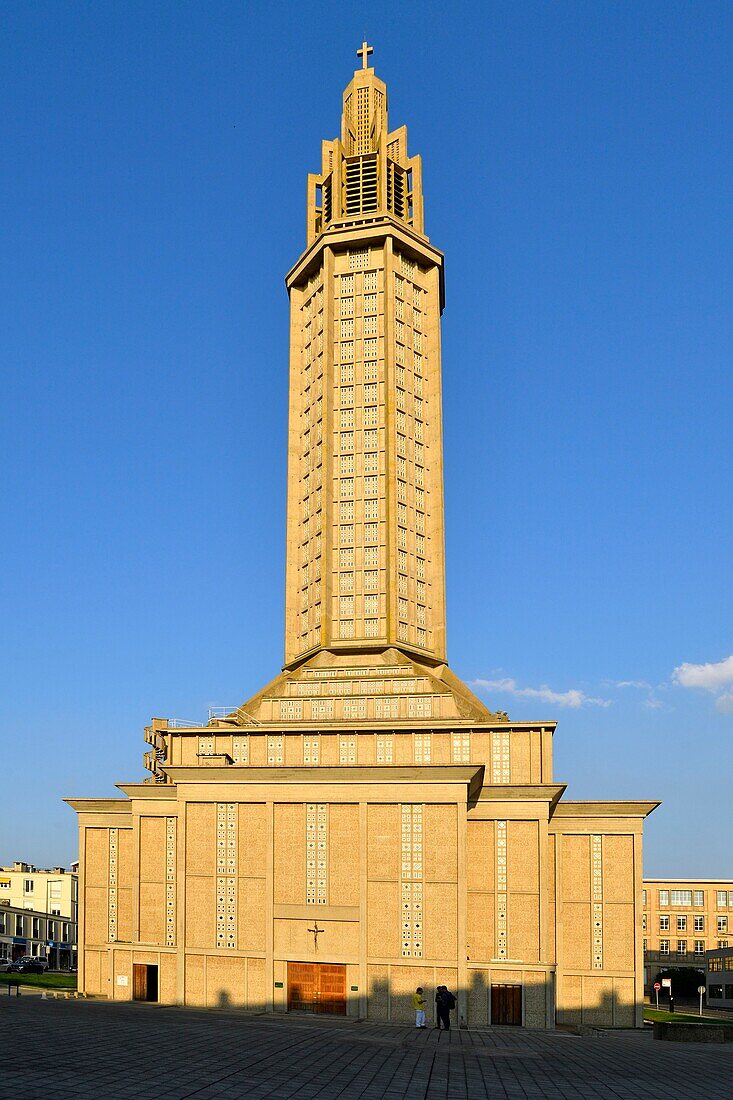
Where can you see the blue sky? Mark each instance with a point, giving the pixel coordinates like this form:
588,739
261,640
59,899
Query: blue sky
577,168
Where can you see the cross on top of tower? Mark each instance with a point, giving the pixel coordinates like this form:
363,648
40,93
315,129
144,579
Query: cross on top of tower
363,53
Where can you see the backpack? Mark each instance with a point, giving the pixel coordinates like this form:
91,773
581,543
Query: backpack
450,1000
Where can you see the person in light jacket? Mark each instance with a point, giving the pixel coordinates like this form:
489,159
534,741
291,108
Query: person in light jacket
418,1003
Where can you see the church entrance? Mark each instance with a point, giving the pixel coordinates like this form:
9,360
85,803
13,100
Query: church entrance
317,987
506,1004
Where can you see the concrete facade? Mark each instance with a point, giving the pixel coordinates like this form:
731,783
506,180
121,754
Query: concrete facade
364,812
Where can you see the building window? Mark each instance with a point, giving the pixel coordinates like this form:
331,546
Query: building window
275,747
664,947
722,943
355,708
422,748
682,924
371,605
643,922
28,886
347,748
346,628
420,706
347,308
699,924
699,947
370,326
385,745
664,924
722,899
371,628
722,924
461,748
370,281
663,898
682,897
359,259
699,897
312,749
240,749
370,579
681,947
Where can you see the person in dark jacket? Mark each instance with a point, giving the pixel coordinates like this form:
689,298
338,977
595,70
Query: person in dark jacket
444,1002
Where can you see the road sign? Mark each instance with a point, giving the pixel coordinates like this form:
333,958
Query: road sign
666,983
701,989
657,985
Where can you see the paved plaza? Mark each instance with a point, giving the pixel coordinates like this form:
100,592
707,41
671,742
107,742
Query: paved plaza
83,1049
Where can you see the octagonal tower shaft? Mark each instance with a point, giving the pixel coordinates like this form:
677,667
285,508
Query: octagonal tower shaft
365,527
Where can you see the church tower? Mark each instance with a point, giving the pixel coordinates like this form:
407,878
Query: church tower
365,566
363,824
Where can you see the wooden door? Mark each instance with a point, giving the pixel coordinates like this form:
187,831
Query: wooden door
331,993
317,987
301,987
144,982
139,982
506,1004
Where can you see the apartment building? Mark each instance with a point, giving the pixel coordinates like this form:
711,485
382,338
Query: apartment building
27,932
682,919
53,891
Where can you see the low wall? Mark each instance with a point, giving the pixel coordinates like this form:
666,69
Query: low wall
678,1032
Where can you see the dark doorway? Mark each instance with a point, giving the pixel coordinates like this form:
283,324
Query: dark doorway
317,987
506,1004
144,982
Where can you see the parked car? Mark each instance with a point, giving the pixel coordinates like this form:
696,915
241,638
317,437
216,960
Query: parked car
29,964
4,965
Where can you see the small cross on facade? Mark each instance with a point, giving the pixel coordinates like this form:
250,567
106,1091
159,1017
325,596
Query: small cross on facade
315,932
363,53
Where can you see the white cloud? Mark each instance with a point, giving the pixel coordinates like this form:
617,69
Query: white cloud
710,677
724,702
573,698
642,685
715,677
